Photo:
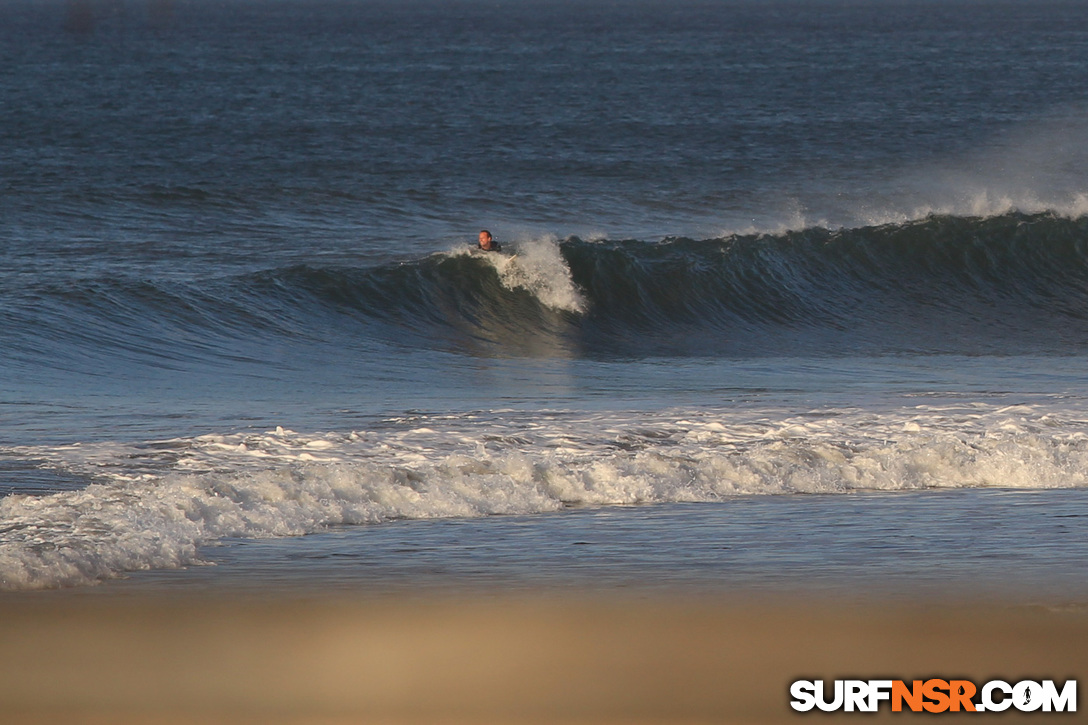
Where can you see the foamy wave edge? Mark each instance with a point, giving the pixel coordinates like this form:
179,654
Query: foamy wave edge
538,267
285,484
982,204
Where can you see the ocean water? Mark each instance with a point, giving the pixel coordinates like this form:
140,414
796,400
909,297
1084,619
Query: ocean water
793,294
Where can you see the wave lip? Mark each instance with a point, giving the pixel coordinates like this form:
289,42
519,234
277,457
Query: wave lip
154,505
940,284
1010,284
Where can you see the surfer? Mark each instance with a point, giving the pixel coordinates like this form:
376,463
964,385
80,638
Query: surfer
487,243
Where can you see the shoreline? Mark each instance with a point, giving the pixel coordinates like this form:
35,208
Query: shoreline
495,658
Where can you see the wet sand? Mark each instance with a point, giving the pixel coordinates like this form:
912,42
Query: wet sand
496,658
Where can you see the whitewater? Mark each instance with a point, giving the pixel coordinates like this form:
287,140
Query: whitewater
154,504
790,293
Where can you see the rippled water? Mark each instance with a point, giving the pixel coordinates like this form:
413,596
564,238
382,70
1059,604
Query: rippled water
834,252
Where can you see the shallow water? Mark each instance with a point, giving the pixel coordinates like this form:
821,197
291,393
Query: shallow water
832,252
1022,547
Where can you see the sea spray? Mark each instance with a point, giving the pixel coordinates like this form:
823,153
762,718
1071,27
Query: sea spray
538,267
942,284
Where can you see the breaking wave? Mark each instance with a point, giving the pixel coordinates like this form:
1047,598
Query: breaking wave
944,284
154,504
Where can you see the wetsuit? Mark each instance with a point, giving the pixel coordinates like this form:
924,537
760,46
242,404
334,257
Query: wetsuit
495,247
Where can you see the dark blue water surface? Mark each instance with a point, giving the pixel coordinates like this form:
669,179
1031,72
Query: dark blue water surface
217,218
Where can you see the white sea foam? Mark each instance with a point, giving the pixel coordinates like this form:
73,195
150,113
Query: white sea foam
154,504
537,266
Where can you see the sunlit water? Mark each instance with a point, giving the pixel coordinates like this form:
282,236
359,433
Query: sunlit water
792,296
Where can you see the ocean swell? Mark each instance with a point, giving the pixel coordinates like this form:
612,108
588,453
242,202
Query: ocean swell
1014,283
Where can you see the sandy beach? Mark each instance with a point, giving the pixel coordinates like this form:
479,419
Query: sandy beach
494,659
779,373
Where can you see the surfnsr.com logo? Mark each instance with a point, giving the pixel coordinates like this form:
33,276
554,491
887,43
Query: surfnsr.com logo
934,696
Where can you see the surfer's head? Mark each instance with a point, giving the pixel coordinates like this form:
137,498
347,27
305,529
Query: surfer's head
485,239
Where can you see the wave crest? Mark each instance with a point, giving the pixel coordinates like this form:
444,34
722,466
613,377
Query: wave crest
1014,283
